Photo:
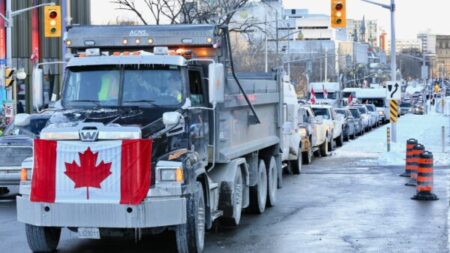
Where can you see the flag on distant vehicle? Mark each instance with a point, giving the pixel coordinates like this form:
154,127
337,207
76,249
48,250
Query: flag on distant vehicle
312,100
350,99
325,92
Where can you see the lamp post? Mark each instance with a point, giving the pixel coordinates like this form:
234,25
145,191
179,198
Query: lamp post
391,7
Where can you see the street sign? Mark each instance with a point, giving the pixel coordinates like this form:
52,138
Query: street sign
393,111
394,91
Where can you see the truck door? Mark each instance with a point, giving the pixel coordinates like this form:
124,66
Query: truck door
199,123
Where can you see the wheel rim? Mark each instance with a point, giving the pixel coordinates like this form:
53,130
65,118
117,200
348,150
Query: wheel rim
238,199
262,189
201,223
273,183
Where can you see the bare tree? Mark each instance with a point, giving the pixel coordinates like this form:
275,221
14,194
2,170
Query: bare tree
186,11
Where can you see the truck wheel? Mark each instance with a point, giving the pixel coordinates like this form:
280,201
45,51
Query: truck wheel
324,149
258,193
296,166
42,239
190,237
272,182
233,219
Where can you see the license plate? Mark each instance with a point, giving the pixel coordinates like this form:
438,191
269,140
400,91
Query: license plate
88,233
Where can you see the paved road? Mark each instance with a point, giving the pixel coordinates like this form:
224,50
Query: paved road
334,206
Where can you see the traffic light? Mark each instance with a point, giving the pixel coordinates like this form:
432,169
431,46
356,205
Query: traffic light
52,15
338,14
9,76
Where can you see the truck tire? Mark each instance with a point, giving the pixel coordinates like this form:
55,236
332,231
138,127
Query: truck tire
296,165
190,237
340,140
324,148
258,193
272,181
42,239
234,218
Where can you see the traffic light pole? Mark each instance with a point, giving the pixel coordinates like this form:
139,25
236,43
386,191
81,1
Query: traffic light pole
9,22
391,7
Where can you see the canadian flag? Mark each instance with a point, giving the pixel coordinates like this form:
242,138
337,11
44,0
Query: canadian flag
350,99
325,92
91,172
312,100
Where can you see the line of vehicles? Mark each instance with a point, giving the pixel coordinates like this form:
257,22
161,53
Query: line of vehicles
218,141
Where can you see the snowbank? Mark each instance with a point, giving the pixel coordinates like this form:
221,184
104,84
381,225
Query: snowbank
425,128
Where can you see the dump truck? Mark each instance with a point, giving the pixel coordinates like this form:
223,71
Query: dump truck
154,132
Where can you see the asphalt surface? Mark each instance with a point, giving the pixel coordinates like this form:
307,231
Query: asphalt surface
336,205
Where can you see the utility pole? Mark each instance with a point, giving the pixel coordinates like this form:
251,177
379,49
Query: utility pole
391,7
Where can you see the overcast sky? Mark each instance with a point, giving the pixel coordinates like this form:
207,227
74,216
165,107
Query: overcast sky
413,16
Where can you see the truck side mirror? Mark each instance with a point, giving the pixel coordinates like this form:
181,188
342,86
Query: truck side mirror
216,83
22,119
38,92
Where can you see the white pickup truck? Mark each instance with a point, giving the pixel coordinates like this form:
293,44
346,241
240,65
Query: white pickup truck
334,121
318,138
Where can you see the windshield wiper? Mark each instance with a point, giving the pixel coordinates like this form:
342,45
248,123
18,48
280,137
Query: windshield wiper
95,102
147,101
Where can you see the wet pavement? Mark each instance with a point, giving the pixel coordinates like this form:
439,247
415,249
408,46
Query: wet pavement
336,205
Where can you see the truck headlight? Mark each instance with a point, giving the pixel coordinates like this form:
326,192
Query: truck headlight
381,113
169,171
171,175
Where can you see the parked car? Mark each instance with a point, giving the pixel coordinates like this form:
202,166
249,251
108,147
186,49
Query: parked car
319,136
350,125
374,116
358,118
364,116
16,145
418,109
335,123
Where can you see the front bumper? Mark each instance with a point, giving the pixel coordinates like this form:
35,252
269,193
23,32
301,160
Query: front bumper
153,212
9,176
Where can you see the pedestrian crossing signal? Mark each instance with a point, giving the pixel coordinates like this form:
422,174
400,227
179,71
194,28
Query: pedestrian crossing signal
52,21
338,14
9,77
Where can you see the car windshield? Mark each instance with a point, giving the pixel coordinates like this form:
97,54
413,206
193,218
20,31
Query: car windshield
341,112
370,108
137,85
322,112
355,113
362,110
405,104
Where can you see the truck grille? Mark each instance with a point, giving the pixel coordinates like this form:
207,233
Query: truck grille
14,156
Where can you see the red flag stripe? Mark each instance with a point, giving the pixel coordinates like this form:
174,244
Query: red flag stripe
44,172
135,171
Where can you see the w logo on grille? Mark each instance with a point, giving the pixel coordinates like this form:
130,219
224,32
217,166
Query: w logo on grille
88,134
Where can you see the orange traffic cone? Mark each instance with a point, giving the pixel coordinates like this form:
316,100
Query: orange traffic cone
409,157
417,151
425,178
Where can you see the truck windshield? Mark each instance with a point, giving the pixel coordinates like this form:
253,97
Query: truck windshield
136,85
378,102
320,95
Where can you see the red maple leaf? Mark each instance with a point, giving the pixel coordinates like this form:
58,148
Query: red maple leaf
88,174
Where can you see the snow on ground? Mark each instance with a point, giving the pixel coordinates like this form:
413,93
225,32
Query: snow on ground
371,148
